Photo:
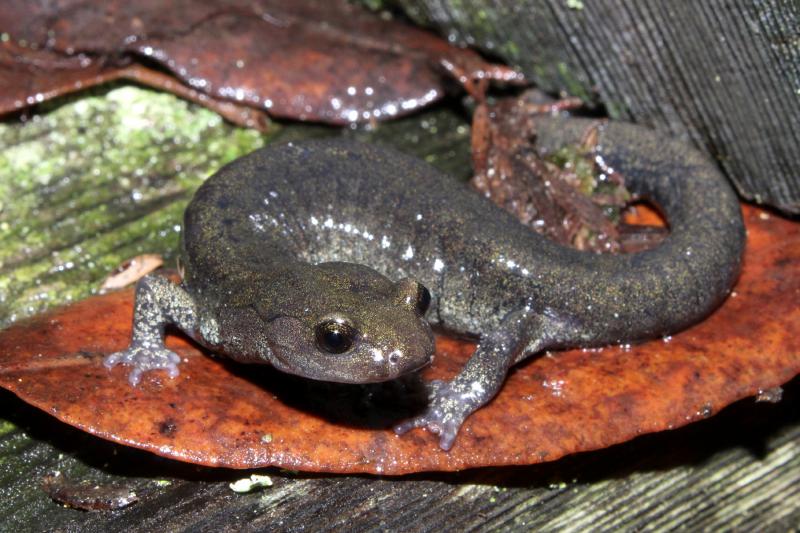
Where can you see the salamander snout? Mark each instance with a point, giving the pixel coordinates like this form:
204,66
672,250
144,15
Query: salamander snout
351,325
406,350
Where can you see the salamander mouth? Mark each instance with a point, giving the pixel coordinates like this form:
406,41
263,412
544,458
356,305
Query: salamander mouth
406,370
418,368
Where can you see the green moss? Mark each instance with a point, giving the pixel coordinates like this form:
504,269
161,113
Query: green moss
510,50
579,160
6,427
616,110
572,83
374,5
95,181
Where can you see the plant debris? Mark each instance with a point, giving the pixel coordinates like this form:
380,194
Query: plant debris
331,62
217,413
87,496
132,271
249,484
568,196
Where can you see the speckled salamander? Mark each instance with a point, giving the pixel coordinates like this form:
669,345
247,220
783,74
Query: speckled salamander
317,257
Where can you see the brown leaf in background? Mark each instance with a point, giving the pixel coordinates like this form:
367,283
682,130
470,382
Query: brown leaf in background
132,271
567,196
330,62
222,414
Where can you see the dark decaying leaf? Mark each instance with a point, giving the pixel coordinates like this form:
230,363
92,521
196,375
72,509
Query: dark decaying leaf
30,77
331,61
132,271
87,496
567,196
220,414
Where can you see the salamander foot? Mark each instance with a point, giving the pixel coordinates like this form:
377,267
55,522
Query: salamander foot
447,409
145,357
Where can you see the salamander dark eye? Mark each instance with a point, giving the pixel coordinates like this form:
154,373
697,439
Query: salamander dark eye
423,299
335,337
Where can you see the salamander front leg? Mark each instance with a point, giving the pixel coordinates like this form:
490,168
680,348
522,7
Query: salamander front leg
159,303
450,402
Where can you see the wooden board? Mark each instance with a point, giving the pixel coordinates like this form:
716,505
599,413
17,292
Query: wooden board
739,469
724,74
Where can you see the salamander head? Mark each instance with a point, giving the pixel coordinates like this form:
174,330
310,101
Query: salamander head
350,324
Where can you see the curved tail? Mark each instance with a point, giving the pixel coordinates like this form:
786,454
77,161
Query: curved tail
691,272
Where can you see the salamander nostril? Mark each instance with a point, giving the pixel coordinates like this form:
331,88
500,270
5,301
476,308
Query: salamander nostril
394,357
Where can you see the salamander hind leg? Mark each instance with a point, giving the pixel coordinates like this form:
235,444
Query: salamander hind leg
159,303
521,333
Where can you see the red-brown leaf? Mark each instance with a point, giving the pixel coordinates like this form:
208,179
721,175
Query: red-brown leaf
573,401
323,61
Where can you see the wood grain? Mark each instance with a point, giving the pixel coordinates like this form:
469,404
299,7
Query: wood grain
724,74
738,470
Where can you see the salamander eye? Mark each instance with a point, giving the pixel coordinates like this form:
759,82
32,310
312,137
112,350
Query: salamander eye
334,336
423,299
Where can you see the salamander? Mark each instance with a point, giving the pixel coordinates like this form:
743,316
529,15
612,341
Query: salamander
331,260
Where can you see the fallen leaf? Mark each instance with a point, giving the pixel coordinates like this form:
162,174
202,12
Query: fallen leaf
222,414
132,271
558,196
29,77
87,496
330,62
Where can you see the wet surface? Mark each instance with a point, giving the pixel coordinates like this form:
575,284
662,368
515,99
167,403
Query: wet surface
220,414
330,62
85,495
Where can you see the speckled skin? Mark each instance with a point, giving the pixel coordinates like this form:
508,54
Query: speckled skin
276,242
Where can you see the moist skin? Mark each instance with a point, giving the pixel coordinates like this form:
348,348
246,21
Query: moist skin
332,259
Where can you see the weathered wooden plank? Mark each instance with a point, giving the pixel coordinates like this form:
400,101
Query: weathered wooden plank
723,73
740,470
71,197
